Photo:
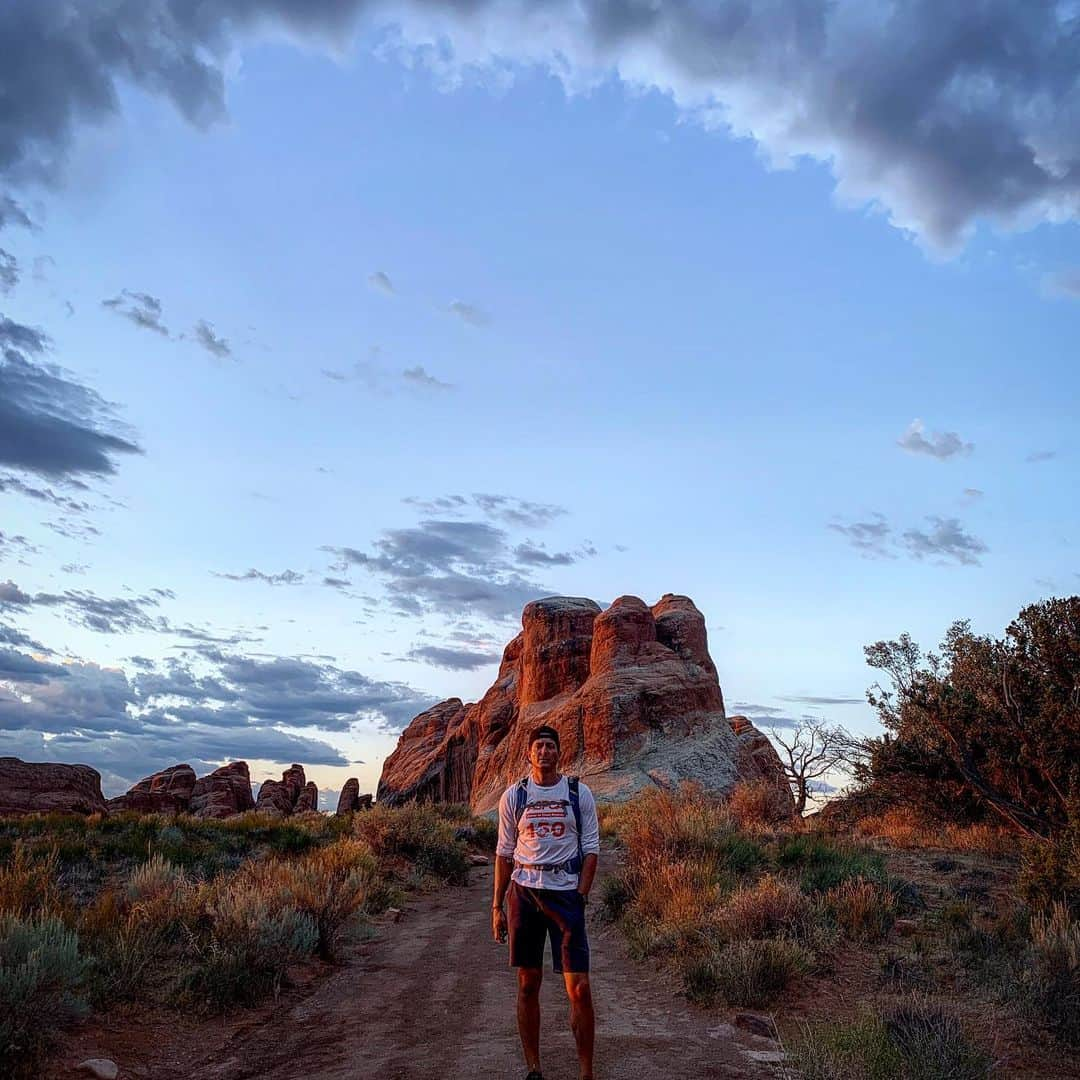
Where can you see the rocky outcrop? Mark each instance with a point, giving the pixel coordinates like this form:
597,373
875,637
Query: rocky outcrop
28,787
350,800
224,792
631,690
757,760
165,792
278,798
308,799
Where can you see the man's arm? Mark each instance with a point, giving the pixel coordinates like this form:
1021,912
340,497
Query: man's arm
588,872
504,867
590,841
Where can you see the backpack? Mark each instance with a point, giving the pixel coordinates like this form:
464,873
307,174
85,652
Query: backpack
521,796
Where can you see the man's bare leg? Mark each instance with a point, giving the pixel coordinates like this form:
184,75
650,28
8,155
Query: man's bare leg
582,1019
528,1015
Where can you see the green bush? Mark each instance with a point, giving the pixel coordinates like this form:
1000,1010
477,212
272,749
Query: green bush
824,865
41,979
616,895
244,955
745,973
418,833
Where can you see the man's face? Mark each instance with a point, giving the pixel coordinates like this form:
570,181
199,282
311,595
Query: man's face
544,753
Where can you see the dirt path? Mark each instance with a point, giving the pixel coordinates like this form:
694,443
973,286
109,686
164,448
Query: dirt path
432,998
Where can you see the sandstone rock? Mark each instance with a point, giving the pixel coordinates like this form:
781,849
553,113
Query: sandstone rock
757,760
756,1024
165,792
350,799
224,792
278,797
102,1068
631,690
308,799
28,787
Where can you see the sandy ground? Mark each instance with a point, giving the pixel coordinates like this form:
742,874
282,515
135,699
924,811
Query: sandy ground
432,998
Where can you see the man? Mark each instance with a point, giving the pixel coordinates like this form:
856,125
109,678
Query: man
546,859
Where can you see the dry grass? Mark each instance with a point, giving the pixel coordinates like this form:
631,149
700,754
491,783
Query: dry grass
905,827
862,910
756,806
770,906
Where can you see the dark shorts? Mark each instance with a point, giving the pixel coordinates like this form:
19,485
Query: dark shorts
535,915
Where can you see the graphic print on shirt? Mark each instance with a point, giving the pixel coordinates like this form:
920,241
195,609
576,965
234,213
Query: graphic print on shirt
545,818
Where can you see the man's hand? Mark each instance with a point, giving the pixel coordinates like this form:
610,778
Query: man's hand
498,925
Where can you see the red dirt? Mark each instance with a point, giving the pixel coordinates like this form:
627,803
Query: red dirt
431,997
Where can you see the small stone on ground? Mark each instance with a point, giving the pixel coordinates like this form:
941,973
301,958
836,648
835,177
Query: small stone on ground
102,1068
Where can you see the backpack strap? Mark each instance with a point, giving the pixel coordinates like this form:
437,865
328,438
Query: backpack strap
521,796
574,784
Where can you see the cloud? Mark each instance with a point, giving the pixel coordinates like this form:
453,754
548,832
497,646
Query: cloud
42,265
205,336
1038,456
1064,283
869,538
452,659
449,567
9,271
286,577
139,308
945,541
12,596
808,699
533,554
468,313
109,615
237,706
951,127
972,495
418,376
50,424
11,213
504,508
381,282
15,543
942,445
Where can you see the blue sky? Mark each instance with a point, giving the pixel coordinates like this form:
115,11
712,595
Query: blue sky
831,402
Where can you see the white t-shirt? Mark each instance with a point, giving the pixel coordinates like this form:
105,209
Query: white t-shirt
547,832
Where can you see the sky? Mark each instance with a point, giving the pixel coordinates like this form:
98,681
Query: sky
332,333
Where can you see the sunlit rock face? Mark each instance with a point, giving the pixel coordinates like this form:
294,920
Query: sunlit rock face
28,787
631,690
224,792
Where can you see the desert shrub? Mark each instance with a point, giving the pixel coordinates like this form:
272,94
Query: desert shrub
861,909
770,906
41,977
616,895
418,833
907,896
680,899
486,832
1052,978
912,1040
244,952
745,973
29,884
755,804
824,864
329,886
1050,872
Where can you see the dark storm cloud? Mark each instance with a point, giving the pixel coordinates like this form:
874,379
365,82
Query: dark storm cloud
946,540
210,341
869,538
50,424
286,577
940,114
140,308
451,567
942,445
452,659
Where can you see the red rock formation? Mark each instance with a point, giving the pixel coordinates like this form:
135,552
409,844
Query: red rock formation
308,799
278,797
631,690
165,792
757,760
350,799
28,787
224,792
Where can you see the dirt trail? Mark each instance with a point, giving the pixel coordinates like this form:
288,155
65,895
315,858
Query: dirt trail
432,998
